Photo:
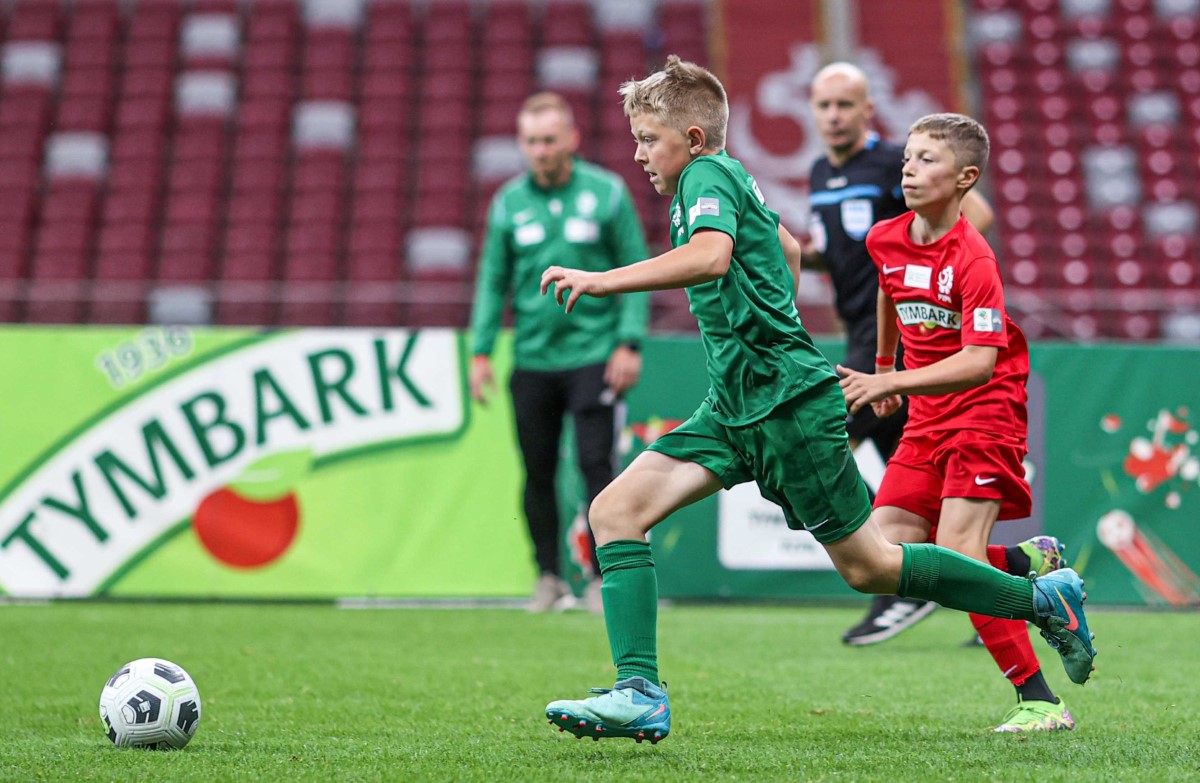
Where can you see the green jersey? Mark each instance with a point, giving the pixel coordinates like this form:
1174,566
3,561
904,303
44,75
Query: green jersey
588,223
758,353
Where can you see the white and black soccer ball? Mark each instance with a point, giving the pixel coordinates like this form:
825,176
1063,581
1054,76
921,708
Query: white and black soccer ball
150,703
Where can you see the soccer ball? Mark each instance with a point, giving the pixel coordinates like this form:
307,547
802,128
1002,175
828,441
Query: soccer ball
150,703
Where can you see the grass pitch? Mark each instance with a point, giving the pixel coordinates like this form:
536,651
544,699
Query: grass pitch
298,693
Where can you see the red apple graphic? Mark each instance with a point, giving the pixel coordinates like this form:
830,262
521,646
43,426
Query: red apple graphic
254,520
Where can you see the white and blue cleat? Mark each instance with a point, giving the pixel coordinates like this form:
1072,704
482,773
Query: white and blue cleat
634,708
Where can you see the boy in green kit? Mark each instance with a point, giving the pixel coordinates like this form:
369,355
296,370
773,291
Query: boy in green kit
774,415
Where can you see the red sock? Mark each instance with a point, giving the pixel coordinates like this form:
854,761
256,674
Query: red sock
998,557
1008,642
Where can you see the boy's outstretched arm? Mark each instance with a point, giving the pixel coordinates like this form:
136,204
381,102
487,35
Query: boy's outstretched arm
970,367
703,258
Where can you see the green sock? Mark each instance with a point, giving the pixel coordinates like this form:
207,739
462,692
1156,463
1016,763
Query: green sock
958,582
630,592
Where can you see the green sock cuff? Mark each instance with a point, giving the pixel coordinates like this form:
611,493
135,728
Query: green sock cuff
919,570
626,553
959,582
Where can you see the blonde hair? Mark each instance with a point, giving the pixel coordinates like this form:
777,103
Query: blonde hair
548,101
681,95
965,137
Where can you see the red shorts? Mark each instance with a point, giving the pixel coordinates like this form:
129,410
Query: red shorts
929,468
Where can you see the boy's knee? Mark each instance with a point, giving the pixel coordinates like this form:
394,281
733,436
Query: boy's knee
865,577
604,513
857,577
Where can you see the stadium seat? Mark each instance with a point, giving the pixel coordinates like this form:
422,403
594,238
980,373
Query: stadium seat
238,136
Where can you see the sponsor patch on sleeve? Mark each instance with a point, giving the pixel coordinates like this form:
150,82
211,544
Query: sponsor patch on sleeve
704,206
988,319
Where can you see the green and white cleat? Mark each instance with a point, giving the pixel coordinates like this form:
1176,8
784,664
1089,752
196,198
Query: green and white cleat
1045,554
634,708
1037,716
1058,604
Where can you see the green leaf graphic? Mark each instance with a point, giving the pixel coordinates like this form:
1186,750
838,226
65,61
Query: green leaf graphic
273,476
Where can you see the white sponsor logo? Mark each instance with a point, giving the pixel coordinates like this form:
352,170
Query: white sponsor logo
922,313
581,231
887,270
918,276
981,481
987,319
529,234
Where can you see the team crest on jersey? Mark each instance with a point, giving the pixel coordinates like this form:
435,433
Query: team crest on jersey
945,283
677,216
586,203
928,316
858,215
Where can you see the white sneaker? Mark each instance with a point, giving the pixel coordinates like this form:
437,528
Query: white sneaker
548,590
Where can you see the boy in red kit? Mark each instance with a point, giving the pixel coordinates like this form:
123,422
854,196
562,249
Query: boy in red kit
958,467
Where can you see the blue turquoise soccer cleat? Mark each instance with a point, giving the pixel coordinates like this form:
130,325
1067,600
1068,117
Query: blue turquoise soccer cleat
1058,603
635,708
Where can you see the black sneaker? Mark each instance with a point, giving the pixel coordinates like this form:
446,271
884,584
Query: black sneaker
889,615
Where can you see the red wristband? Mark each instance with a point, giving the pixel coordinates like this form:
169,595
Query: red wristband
885,361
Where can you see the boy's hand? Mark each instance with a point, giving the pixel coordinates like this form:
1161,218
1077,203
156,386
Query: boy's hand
861,389
887,406
576,281
623,369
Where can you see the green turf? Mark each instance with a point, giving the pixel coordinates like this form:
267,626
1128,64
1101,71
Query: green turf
296,693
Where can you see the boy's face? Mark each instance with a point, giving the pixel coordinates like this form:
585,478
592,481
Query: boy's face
931,176
662,152
548,142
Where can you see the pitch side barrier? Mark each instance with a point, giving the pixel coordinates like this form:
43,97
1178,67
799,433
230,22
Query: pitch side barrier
179,463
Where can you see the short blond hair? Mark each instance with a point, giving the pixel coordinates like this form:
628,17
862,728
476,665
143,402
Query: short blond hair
681,95
548,101
965,137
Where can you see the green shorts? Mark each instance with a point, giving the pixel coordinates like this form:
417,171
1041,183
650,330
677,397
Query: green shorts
799,455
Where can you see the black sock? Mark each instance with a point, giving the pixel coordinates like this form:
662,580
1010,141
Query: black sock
1036,689
1018,561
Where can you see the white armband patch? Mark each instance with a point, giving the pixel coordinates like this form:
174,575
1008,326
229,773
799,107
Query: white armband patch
988,319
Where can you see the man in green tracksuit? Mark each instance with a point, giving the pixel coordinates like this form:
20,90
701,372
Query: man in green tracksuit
563,211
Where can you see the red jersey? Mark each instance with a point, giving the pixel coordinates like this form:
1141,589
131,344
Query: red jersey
948,294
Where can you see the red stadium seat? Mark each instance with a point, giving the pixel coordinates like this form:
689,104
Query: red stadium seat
308,304
54,301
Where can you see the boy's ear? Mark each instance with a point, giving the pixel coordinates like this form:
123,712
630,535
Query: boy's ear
697,140
967,176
